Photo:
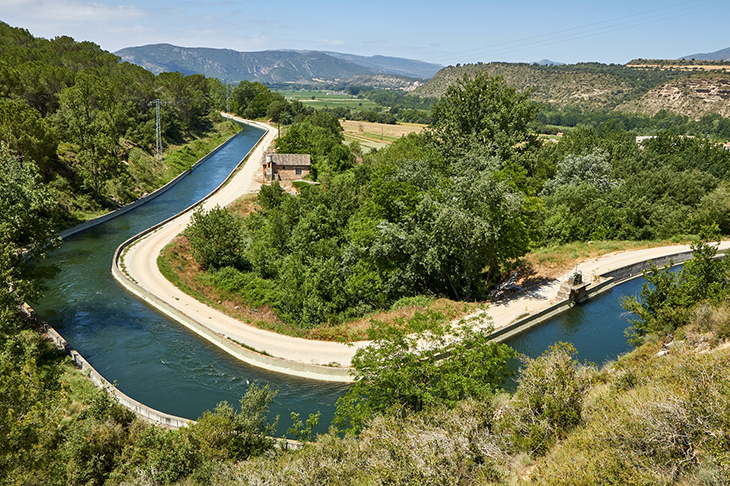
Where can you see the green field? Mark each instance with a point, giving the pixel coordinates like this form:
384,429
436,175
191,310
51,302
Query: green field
328,99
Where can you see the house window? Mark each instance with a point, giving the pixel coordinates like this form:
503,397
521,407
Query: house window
298,171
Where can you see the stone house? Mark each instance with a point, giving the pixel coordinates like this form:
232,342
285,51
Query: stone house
286,167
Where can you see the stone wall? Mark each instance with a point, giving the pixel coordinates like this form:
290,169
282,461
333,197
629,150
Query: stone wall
291,174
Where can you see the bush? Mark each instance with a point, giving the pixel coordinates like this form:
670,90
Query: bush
216,238
667,298
548,402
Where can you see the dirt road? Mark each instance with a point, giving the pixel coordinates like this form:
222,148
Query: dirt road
140,263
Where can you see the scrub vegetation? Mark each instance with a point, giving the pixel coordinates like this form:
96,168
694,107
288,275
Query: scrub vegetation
442,214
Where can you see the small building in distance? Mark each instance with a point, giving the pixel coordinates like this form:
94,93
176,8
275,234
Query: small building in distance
286,167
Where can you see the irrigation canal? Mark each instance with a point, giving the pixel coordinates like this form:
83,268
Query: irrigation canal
158,362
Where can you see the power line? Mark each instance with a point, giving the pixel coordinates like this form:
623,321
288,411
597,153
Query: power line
583,31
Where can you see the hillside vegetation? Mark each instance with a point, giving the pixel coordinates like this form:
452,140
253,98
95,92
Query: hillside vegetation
590,86
87,121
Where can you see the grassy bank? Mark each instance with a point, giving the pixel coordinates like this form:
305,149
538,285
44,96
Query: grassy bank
145,173
227,290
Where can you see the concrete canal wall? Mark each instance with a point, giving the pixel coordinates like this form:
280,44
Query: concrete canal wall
608,280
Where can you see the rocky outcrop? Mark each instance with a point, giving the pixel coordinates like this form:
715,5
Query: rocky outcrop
692,96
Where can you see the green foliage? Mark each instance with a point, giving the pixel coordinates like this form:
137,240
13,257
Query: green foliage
226,434
668,296
319,135
420,364
92,447
216,238
78,113
548,402
303,431
462,227
670,185
592,169
670,428
26,228
482,114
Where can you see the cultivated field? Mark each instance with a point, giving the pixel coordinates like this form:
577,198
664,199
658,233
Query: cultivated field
328,99
377,135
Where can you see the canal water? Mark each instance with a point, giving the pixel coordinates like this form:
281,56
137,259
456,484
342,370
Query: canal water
158,362
150,357
595,327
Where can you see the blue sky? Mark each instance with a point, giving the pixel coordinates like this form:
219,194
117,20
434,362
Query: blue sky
444,32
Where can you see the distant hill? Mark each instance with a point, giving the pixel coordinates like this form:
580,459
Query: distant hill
393,65
276,66
587,86
548,62
721,55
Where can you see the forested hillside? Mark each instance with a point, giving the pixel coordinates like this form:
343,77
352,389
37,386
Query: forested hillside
87,120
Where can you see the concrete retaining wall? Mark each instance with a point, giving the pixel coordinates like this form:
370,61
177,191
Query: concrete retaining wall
149,414
144,199
250,356
613,278
142,410
538,318
637,269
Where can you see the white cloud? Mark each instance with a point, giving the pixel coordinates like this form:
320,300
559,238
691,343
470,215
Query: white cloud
70,11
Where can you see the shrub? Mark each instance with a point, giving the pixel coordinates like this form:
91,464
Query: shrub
548,402
216,238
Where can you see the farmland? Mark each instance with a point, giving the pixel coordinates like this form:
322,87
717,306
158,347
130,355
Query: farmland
328,99
376,135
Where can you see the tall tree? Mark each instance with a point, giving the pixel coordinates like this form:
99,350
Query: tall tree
26,227
483,115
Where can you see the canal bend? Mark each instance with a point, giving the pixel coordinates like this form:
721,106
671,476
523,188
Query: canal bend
150,357
156,361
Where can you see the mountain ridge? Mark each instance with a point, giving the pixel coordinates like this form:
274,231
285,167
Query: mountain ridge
271,66
721,55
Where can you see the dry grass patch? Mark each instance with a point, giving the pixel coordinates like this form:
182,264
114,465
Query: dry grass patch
555,261
353,127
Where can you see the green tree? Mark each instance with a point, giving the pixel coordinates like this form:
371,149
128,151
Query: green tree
548,402
593,169
216,238
668,296
482,115
88,116
424,363
237,435
462,227
27,228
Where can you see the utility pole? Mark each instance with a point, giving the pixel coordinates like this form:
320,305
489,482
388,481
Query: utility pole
228,100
